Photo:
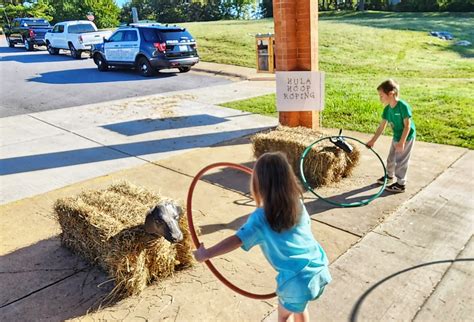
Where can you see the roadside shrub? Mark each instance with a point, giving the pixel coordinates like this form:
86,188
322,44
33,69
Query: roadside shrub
418,5
436,5
266,8
459,6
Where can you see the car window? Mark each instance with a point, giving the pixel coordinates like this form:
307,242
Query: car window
58,29
36,23
81,28
130,35
173,35
117,36
150,35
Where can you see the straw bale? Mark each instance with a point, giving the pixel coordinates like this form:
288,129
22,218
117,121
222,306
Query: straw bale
324,164
106,228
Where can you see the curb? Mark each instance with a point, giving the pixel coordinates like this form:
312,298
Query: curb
220,72
233,74
262,78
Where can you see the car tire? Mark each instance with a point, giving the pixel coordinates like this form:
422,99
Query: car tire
101,63
28,45
145,68
184,69
9,42
76,54
51,49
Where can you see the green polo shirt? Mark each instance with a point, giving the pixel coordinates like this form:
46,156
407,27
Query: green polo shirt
395,116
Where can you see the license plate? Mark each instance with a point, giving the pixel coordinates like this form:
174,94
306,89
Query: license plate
183,48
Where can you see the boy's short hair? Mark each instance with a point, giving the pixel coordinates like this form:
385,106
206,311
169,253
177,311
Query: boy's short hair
389,86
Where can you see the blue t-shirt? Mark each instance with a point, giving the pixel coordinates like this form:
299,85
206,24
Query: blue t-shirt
300,261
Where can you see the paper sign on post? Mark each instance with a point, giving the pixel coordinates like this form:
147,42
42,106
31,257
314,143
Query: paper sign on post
300,91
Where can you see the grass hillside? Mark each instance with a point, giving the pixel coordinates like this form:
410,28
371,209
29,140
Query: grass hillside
357,51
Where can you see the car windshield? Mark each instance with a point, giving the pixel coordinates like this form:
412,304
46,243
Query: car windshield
81,28
35,23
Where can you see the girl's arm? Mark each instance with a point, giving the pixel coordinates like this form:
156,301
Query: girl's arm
379,131
225,246
406,129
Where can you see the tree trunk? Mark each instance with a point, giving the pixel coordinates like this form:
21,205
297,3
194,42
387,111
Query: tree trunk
361,5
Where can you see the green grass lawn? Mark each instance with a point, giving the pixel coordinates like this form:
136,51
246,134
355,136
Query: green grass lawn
357,51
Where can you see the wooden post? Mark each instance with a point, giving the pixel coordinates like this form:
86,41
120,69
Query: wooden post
296,42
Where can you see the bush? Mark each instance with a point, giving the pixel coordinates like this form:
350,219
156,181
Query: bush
266,8
436,5
459,6
166,12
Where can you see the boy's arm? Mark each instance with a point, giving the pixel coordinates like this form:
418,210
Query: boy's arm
406,129
379,131
225,246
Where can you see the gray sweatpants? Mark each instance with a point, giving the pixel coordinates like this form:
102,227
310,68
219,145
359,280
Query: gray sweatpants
397,162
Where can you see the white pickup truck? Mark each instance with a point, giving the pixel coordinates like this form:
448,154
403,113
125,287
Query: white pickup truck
75,36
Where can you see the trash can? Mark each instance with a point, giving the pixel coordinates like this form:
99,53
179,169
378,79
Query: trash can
265,44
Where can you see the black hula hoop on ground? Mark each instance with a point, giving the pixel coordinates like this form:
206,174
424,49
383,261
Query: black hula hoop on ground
341,204
195,238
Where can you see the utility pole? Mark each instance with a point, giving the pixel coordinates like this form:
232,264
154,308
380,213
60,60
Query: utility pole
296,49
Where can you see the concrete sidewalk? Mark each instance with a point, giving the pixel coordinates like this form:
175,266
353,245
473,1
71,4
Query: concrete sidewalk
60,153
37,271
416,266
48,150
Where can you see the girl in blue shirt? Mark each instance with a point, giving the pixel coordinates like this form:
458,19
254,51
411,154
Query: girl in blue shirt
282,228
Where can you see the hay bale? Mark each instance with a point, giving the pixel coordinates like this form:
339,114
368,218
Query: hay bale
324,164
106,228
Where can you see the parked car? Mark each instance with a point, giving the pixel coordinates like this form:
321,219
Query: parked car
76,36
27,31
148,48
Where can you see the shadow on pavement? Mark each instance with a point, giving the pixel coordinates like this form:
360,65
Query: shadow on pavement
231,179
8,50
356,308
119,151
45,281
236,181
92,75
29,58
233,225
136,127
316,205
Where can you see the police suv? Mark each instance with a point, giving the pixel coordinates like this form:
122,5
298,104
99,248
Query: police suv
148,48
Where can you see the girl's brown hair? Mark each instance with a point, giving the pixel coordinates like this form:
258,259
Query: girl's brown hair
389,86
275,187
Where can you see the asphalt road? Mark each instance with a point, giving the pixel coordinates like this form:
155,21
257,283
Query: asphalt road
36,81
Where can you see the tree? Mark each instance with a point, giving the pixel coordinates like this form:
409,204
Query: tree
106,12
37,9
266,7
41,9
13,2
146,10
241,7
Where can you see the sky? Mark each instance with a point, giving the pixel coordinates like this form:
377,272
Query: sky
120,2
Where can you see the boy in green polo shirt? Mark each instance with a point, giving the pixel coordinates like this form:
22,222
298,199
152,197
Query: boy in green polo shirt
398,114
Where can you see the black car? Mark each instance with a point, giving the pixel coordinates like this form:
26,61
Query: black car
147,47
27,31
